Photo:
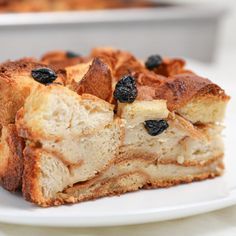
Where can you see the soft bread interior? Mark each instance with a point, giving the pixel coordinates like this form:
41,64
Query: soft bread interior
206,109
60,112
139,111
91,155
79,131
110,148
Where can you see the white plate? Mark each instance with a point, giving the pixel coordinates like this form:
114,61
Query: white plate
139,207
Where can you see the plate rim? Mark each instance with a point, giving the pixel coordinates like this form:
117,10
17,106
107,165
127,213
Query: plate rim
131,218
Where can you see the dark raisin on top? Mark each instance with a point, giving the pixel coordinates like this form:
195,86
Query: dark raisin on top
153,62
44,75
155,127
126,90
70,54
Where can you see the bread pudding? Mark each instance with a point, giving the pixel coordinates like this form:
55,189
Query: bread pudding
76,128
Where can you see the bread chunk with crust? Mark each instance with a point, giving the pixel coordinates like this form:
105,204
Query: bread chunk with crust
11,158
186,93
16,84
75,145
61,59
93,77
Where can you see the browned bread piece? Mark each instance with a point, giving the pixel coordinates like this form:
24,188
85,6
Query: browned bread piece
16,83
61,59
170,67
11,158
93,77
185,92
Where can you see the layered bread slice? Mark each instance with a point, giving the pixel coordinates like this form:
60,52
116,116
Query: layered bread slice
77,149
70,139
113,124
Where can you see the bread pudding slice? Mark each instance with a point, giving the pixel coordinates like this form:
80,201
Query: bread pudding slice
77,149
107,125
70,139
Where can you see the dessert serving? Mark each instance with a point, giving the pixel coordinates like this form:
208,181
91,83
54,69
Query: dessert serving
78,128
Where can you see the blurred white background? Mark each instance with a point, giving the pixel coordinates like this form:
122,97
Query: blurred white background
227,36
202,32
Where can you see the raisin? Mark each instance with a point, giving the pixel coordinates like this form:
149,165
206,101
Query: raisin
70,54
153,62
155,127
44,75
126,90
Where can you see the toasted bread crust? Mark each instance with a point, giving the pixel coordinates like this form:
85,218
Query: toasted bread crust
60,59
23,67
171,81
180,89
97,81
170,67
11,179
30,189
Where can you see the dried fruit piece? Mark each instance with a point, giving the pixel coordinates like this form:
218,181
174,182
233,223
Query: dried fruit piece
70,54
155,127
153,62
44,75
126,90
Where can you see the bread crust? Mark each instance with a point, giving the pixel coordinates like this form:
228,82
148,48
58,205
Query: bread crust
170,67
16,83
30,188
11,178
96,81
180,89
60,59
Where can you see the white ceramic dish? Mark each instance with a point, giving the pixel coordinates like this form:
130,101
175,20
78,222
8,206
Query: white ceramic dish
139,207
168,31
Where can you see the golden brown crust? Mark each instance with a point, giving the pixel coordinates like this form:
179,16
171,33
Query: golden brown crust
60,59
97,81
171,81
180,89
120,62
170,67
23,67
11,179
16,83
30,189
20,67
